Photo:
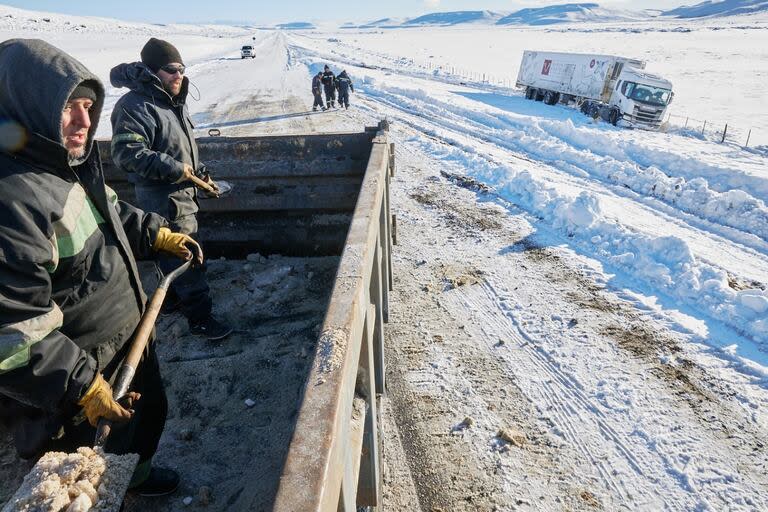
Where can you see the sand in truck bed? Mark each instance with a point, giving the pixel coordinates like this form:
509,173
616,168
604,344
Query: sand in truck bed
233,403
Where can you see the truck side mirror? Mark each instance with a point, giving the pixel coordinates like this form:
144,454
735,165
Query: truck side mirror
671,97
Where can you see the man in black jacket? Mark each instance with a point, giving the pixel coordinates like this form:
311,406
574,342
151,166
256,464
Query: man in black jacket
70,294
317,91
153,142
329,84
344,85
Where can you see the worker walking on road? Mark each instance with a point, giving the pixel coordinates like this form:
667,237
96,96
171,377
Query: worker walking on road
70,294
329,84
153,142
317,91
344,85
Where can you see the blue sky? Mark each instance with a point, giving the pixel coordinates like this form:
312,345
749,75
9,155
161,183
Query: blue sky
167,11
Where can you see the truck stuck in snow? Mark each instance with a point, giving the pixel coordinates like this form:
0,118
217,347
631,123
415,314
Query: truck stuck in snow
616,89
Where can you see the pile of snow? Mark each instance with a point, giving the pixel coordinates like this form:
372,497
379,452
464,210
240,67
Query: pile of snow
712,8
568,13
663,263
444,19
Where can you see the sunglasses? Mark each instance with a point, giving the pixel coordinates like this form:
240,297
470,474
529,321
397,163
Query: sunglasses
172,70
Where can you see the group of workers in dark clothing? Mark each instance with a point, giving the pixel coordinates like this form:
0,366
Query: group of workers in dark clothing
326,81
70,291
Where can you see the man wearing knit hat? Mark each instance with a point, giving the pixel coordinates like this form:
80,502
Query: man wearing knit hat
70,293
153,142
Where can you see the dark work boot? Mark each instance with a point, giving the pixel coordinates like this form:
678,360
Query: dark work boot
210,327
161,481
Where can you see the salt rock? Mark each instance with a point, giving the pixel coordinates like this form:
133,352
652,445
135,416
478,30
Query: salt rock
81,504
515,437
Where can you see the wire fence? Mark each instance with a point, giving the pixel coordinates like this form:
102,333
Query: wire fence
713,130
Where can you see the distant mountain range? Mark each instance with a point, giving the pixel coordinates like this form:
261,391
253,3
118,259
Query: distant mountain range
454,18
568,13
719,8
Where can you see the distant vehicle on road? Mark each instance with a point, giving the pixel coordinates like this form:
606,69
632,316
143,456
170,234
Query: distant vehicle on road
617,89
247,51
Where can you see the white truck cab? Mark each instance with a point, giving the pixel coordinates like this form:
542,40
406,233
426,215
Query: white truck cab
641,97
247,51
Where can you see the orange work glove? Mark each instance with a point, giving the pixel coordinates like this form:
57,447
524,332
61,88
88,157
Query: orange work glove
176,244
97,403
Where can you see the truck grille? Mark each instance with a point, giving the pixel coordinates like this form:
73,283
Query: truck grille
647,116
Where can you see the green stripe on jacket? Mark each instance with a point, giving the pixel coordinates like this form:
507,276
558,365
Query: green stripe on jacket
17,338
79,221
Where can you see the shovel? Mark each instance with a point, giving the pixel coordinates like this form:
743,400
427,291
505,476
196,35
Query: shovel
131,362
119,468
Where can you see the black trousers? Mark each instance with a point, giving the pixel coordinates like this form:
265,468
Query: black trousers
142,433
344,99
318,99
330,95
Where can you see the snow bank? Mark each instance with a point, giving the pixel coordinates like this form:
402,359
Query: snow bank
598,152
664,263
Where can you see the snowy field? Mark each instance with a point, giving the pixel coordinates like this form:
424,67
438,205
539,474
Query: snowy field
602,289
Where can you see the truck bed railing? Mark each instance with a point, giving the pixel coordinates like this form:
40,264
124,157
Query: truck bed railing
334,460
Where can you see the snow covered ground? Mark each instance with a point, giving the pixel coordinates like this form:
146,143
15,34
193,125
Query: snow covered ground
604,290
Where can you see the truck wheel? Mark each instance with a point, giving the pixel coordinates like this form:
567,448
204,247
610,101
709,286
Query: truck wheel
539,95
555,98
530,92
613,117
585,108
550,97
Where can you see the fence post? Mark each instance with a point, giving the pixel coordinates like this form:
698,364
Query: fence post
725,130
704,127
748,136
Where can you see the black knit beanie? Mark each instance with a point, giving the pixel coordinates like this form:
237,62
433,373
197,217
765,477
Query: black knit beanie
86,89
157,53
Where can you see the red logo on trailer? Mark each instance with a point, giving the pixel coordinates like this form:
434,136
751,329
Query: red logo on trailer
547,65
592,64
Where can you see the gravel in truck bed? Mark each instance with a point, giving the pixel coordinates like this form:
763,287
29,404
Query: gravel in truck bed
232,403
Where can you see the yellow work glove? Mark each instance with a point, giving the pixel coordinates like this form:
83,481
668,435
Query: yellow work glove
176,244
97,403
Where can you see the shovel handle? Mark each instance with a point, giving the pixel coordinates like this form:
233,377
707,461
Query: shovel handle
138,345
204,185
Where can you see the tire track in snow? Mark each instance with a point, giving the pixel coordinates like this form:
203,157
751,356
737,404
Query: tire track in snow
578,417
572,409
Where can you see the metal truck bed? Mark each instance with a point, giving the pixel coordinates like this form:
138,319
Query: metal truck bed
283,415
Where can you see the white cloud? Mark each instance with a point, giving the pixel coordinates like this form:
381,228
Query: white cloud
432,4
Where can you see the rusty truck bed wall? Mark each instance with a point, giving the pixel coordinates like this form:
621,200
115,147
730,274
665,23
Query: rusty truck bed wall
292,195
307,195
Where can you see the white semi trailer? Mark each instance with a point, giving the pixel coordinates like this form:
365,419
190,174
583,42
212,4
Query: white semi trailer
616,89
